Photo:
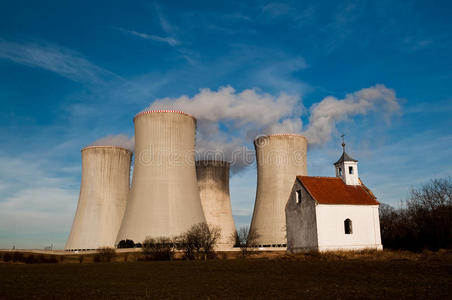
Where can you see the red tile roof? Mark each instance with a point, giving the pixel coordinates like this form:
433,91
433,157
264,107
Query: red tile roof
332,190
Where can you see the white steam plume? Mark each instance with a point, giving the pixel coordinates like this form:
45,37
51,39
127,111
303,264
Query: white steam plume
327,113
229,120
119,140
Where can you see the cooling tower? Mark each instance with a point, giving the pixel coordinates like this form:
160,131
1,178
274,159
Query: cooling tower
164,198
213,183
103,196
279,159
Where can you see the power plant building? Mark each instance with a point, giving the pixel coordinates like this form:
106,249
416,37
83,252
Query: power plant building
280,158
213,183
103,196
164,199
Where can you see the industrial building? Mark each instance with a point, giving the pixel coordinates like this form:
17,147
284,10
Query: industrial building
279,158
164,199
213,183
333,213
103,196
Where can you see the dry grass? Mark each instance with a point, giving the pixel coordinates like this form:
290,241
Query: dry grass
345,275
118,257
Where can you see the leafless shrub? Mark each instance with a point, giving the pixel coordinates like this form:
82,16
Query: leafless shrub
161,248
200,241
424,221
104,254
246,240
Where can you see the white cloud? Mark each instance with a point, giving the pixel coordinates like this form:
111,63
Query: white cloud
60,60
246,114
276,9
164,23
34,203
229,120
327,113
169,40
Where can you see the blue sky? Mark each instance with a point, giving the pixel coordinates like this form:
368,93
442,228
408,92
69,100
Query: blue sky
72,72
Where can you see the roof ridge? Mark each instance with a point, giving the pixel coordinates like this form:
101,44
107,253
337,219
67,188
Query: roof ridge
325,177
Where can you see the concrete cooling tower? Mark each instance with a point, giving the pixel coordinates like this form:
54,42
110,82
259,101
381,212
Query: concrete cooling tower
103,196
164,198
213,183
279,159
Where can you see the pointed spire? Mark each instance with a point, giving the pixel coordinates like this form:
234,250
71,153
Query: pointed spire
344,156
343,143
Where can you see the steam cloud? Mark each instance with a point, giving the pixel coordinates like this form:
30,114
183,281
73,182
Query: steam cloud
327,113
229,120
119,140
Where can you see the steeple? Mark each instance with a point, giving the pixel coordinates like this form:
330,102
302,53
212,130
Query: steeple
347,167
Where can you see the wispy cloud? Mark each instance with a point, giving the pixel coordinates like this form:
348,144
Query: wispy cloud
390,166
415,43
340,27
169,40
166,26
276,9
34,202
65,62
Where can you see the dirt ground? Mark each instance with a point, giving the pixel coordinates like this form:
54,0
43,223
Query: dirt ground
334,275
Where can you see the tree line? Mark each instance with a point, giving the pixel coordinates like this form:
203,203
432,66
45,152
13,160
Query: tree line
423,221
198,242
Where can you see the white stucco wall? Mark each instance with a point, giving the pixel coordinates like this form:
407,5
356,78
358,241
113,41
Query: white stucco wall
349,179
365,225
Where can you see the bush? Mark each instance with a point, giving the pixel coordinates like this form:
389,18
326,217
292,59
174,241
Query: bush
104,254
18,256
39,259
30,259
161,248
52,259
246,240
424,221
199,241
7,257
126,244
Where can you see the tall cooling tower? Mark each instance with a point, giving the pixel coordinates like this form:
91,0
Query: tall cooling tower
213,183
103,197
164,198
280,158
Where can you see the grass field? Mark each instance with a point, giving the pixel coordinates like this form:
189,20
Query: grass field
292,277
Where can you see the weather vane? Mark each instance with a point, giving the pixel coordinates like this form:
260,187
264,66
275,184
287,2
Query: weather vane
343,141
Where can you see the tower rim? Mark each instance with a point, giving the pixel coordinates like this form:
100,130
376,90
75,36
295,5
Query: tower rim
147,112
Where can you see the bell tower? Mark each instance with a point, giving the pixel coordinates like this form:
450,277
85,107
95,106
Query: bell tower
347,167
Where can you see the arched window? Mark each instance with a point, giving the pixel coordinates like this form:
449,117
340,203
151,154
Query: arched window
340,171
350,170
348,226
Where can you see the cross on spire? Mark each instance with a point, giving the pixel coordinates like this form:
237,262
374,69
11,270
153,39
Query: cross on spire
343,142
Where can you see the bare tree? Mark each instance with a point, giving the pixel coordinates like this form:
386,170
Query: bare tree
200,241
246,240
424,220
430,211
